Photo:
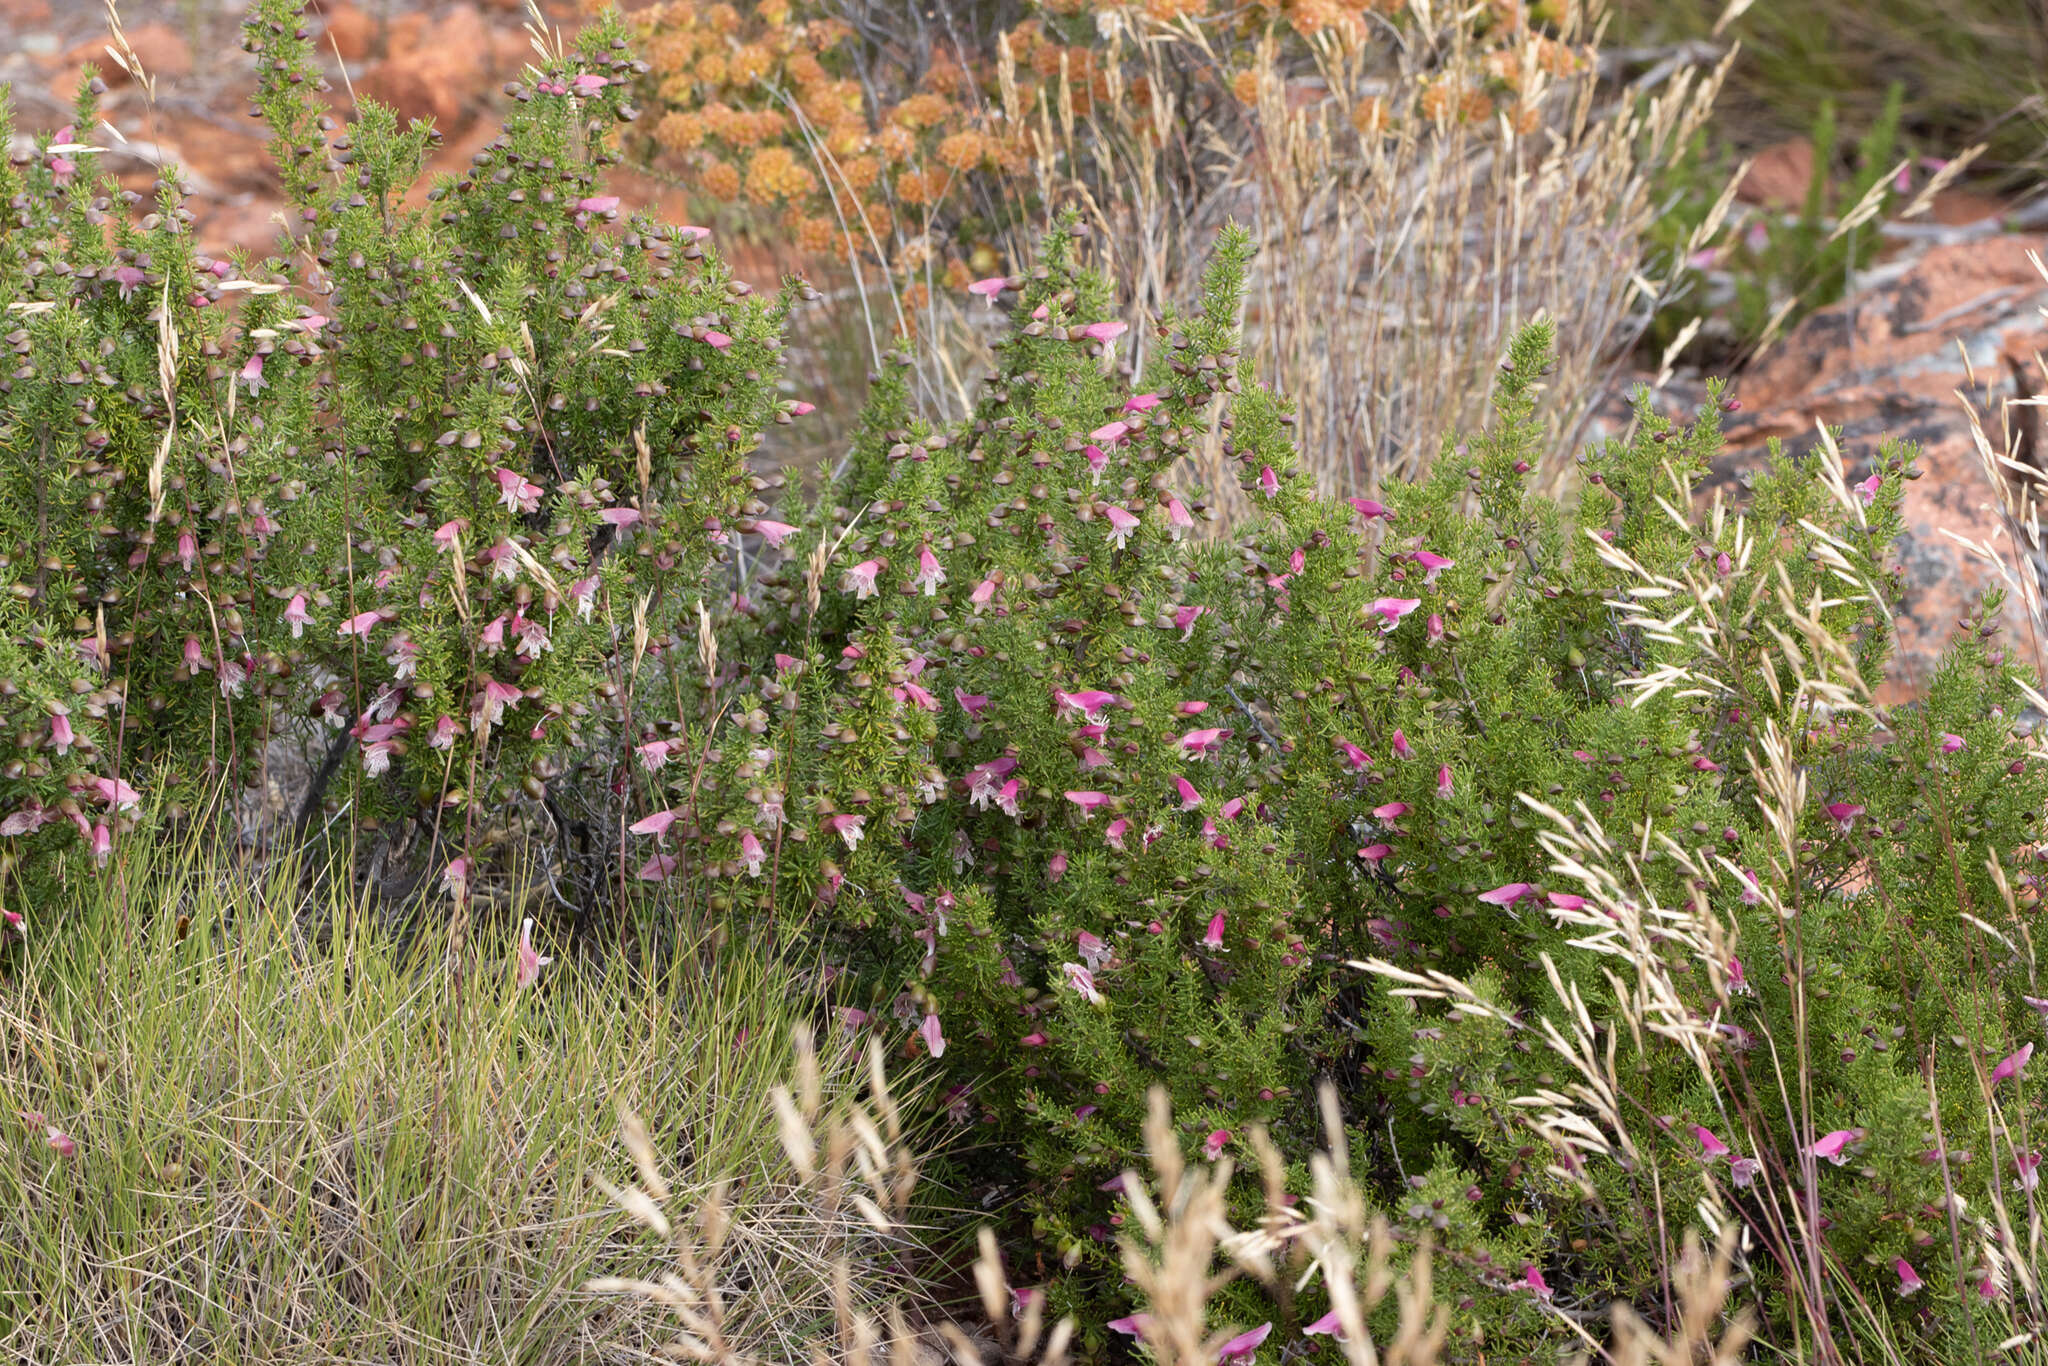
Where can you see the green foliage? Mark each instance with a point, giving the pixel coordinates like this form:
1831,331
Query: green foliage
1778,267
1085,804
440,477
1554,833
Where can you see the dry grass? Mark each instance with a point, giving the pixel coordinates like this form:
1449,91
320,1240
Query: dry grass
1404,237
1180,1252
327,1148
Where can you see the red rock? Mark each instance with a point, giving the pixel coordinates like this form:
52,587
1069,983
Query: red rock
1957,207
1779,175
350,31
433,69
163,51
1888,364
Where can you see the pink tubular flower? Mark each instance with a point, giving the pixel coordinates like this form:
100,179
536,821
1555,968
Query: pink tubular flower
1432,564
1710,1146
361,624
656,825
1142,403
930,574
588,84
751,853
446,534
516,493
917,697
657,868
598,203
1375,853
1197,743
1109,331
1189,797
1566,901
2028,1167
1832,1146
1844,815
1215,1143
1083,982
988,289
1532,1279
1113,836
1177,519
934,1038
653,754
1121,525
59,1142
1184,619
252,374
1089,802
61,734
1402,749
715,339
1743,1170
1366,508
1086,704
619,516
1244,1346
1391,610
1391,811
1132,1326
1094,952
848,827
1269,482
1328,1325
1507,894
296,616
1909,1279
1866,490
1354,757
1443,780
2013,1063
773,532
1950,743
116,793
860,579
1212,938
530,959
1109,433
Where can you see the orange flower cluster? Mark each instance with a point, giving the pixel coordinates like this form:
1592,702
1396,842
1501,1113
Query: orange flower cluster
761,106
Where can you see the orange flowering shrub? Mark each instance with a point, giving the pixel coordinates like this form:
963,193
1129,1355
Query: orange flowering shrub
873,150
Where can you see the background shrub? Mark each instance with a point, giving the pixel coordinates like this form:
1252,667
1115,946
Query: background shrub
1418,180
